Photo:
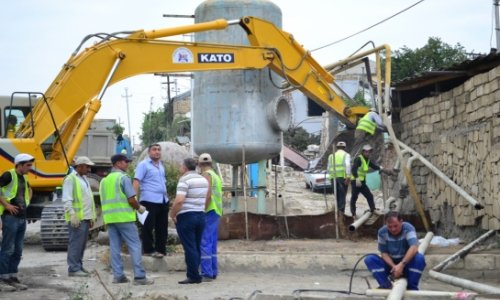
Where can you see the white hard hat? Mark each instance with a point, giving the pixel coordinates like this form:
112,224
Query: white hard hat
22,158
373,109
83,160
205,158
341,144
367,148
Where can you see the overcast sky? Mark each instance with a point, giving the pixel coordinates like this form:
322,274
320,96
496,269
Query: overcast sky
37,37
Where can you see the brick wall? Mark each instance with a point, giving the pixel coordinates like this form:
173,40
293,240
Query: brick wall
459,132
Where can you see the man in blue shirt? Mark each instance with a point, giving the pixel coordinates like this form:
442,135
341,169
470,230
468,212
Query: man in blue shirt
150,180
398,245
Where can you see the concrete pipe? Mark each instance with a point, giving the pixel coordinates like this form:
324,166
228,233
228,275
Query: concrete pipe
360,221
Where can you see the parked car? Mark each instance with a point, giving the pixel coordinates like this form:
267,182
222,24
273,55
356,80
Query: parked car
317,180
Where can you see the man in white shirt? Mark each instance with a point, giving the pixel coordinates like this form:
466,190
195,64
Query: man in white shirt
80,214
188,214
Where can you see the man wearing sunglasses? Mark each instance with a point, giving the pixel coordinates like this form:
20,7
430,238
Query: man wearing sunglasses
14,199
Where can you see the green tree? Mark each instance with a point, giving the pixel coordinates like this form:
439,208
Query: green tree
117,129
154,127
434,55
299,138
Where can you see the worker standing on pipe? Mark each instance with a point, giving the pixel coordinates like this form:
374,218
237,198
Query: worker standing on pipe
360,168
339,169
398,245
366,130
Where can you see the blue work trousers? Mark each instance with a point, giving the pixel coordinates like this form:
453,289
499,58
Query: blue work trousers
77,240
209,245
381,271
127,232
13,231
190,227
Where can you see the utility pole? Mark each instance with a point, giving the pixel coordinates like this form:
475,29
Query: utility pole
497,25
126,96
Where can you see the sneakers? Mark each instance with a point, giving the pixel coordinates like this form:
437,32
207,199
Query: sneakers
189,281
78,274
122,279
5,287
143,281
13,281
206,279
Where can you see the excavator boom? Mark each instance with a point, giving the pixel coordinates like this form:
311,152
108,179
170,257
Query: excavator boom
74,97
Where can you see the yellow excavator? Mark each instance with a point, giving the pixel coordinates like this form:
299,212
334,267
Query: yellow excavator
55,125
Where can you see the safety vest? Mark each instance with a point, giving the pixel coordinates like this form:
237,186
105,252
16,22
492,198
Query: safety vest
366,124
216,188
363,169
78,199
115,207
10,190
339,169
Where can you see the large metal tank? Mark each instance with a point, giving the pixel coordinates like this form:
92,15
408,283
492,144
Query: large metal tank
237,111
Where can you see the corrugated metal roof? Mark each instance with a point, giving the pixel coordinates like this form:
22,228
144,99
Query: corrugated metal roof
463,70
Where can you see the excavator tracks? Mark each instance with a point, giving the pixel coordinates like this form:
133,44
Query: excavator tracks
53,228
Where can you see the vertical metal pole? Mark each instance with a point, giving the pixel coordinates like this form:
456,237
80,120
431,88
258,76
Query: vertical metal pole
261,183
336,203
128,112
244,187
234,200
497,24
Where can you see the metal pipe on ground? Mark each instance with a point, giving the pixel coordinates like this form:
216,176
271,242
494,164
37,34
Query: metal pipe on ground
398,289
462,252
416,294
465,283
460,282
360,221
425,243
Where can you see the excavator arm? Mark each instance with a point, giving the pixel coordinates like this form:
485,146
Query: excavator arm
74,97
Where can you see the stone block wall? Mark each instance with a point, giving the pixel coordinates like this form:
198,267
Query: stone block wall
182,107
459,132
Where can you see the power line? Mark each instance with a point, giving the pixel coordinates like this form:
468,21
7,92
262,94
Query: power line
368,28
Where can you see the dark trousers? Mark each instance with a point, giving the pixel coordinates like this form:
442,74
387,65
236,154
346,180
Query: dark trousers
157,223
77,239
381,271
13,231
190,227
341,193
365,191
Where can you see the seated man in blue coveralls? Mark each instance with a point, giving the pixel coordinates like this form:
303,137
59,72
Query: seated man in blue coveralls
398,245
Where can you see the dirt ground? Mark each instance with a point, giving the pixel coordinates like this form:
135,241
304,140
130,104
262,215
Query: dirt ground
46,274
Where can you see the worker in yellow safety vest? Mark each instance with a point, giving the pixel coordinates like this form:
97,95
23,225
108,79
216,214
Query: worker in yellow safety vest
119,206
213,212
14,201
79,213
360,168
366,130
339,169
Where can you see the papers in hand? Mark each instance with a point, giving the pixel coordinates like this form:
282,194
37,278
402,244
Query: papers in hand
142,217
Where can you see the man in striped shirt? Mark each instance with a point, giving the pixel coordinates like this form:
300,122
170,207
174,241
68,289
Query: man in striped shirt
398,245
188,214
